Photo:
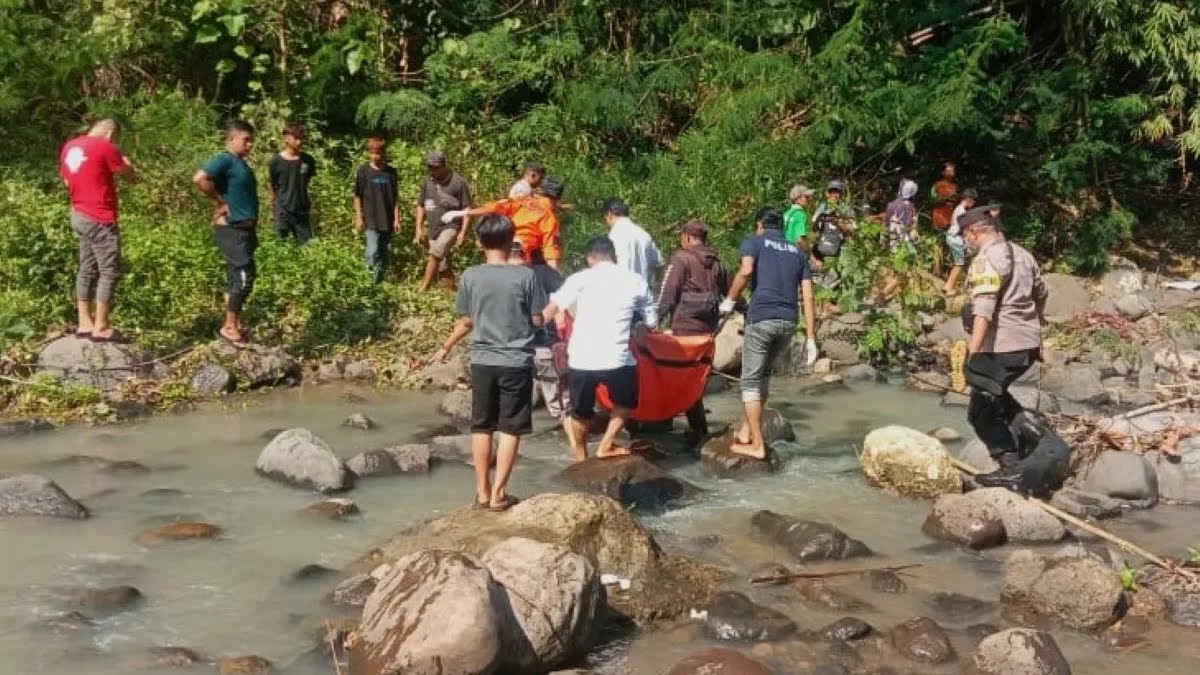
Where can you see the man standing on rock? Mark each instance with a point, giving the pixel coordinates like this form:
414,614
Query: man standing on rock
1004,316
89,165
609,303
692,290
229,181
635,247
777,272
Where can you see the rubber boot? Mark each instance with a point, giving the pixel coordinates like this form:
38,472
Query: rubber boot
1008,476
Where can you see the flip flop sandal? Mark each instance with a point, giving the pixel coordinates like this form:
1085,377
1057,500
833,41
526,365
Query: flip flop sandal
509,502
477,505
116,337
82,334
236,344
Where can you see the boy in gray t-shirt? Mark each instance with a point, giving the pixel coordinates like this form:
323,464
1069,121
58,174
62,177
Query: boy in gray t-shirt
500,304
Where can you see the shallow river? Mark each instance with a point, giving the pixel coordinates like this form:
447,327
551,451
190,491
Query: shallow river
234,596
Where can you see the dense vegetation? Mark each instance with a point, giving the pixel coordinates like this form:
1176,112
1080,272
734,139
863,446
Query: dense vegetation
1082,116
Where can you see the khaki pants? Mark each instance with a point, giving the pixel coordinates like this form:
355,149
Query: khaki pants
99,258
440,246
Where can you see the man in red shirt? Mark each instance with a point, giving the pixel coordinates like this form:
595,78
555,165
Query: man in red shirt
89,165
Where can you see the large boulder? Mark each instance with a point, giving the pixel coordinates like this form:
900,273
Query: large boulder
1135,305
1019,651
1069,296
260,366
212,379
1024,522
32,495
457,406
1070,587
1181,594
733,616
436,612
631,480
965,521
728,355
1122,278
921,639
103,365
556,598
907,462
1076,382
1178,475
719,661
662,586
300,458
807,540
410,458
1121,475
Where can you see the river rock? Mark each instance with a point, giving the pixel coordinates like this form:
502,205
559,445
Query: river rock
258,366
905,461
807,540
359,421
1121,475
1076,382
171,657
965,521
299,458
1086,504
444,376
66,623
733,616
103,365
333,369
245,665
436,612
556,598
776,427
921,639
1173,360
861,372
359,371
182,531
884,581
354,591
457,406
1178,475
721,462
1122,278
1135,305
32,495
958,608
1182,595
23,427
727,356
1070,587
846,629
1019,651
974,453
1069,296
719,661
105,601
1024,522
211,379
844,352
945,434
457,448
631,480
825,594
411,458
333,509
663,586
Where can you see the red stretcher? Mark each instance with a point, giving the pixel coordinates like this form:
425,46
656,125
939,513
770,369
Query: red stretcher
672,374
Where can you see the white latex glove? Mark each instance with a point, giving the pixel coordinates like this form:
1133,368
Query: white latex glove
451,216
810,352
726,306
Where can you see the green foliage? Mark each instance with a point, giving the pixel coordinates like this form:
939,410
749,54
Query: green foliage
1130,577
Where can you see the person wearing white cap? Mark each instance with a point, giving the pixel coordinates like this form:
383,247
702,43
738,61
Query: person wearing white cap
795,218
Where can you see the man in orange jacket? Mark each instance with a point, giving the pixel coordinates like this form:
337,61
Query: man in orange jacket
535,218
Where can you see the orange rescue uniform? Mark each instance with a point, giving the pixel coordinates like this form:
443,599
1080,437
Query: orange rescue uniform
536,223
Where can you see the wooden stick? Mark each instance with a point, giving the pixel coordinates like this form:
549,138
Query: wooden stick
829,573
331,635
1146,410
1127,546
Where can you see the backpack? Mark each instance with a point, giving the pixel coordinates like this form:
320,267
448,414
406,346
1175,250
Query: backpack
830,238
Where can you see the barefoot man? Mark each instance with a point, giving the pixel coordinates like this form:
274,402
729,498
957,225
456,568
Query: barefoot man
608,303
777,273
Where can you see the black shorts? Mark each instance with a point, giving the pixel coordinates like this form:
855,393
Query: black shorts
501,399
622,389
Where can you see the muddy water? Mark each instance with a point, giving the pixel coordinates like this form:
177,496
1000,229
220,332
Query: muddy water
235,595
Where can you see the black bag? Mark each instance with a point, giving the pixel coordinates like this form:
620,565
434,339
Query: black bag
968,310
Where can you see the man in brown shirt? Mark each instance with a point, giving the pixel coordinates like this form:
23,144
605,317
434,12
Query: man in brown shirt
1008,301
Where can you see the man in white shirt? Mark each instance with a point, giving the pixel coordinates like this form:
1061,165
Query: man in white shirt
635,248
955,242
607,303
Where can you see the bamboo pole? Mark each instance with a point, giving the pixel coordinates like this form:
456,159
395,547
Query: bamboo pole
828,573
1127,546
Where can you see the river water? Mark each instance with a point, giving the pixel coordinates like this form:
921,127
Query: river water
235,595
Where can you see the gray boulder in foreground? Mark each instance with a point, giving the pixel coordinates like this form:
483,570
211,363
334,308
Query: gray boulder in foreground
297,457
1019,651
33,495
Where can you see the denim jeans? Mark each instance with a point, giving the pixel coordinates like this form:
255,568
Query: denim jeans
763,343
378,252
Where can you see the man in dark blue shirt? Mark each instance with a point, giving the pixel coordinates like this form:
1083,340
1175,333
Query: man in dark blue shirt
777,273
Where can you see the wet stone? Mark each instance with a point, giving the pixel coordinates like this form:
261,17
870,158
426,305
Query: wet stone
807,540
884,581
774,571
353,591
312,572
719,660
958,608
822,593
359,421
733,616
920,639
162,493
333,509
245,665
172,657
978,631
182,531
110,600
66,623
846,629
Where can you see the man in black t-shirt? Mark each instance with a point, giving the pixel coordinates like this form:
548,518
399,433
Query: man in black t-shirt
444,196
290,172
777,272
376,206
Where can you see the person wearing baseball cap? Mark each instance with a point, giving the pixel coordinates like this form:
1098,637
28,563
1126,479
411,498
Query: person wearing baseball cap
692,290
443,191
795,218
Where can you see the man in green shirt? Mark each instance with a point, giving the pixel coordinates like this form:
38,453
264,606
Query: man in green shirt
795,219
229,181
